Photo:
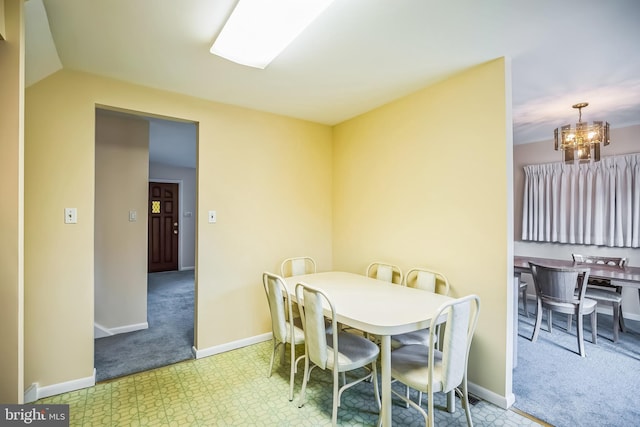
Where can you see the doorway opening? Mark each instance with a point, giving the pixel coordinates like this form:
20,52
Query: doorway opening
144,283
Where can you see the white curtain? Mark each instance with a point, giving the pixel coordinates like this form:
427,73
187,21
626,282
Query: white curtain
584,204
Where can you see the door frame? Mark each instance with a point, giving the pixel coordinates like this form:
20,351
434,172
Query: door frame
180,220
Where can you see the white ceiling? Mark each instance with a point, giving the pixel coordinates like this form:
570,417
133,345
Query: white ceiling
360,54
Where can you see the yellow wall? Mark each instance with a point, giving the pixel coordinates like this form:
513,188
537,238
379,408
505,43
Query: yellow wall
423,181
122,184
268,177
11,192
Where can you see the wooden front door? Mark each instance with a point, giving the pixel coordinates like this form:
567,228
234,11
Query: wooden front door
163,227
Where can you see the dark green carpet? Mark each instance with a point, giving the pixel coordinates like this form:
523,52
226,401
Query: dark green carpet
169,338
553,383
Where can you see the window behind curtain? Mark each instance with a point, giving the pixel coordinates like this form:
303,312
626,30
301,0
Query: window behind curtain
585,204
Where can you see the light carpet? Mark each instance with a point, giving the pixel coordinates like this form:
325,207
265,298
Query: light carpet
553,383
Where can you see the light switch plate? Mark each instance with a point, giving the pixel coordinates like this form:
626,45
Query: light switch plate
212,217
70,216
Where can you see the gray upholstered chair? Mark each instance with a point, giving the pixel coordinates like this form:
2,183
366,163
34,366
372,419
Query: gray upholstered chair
430,370
339,352
283,324
384,271
563,290
604,291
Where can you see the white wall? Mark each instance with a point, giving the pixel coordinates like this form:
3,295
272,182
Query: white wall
121,168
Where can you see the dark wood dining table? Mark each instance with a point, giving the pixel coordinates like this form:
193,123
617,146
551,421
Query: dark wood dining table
625,276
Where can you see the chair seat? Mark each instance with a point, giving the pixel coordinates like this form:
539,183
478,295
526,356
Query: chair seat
298,332
354,351
411,364
603,295
588,306
420,337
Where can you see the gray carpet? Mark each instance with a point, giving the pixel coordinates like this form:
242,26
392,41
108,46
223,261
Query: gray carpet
169,338
553,383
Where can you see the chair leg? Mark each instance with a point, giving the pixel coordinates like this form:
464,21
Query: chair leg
465,401
292,371
616,321
336,398
307,374
579,331
569,322
536,329
550,320
524,302
374,373
430,410
273,355
594,327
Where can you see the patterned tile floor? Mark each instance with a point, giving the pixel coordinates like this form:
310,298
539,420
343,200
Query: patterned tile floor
232,389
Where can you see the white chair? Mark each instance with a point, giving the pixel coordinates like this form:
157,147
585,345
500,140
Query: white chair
297,266
339,352
429,370
427,280
284,330
384,271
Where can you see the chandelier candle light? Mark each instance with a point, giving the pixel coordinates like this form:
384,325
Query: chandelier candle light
581,143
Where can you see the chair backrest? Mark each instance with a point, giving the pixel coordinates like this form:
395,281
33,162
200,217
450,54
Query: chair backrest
603,260
428,280
559,285
384,271
279,304
461,321
311,303
297,266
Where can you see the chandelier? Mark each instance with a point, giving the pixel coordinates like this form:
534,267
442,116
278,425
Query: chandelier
582,142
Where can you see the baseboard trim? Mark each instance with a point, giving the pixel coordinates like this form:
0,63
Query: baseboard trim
100,331
31,393
631,316
503,402
191,267
35,392
210,351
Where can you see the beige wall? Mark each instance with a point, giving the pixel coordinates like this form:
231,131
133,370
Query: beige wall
121,169
424,181
268,177
11,214
623,141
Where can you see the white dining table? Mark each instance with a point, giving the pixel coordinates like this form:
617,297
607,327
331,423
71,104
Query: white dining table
378,308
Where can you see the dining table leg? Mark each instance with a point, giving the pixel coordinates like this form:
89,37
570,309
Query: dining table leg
385,380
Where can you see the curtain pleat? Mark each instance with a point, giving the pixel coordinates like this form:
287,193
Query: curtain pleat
591,204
